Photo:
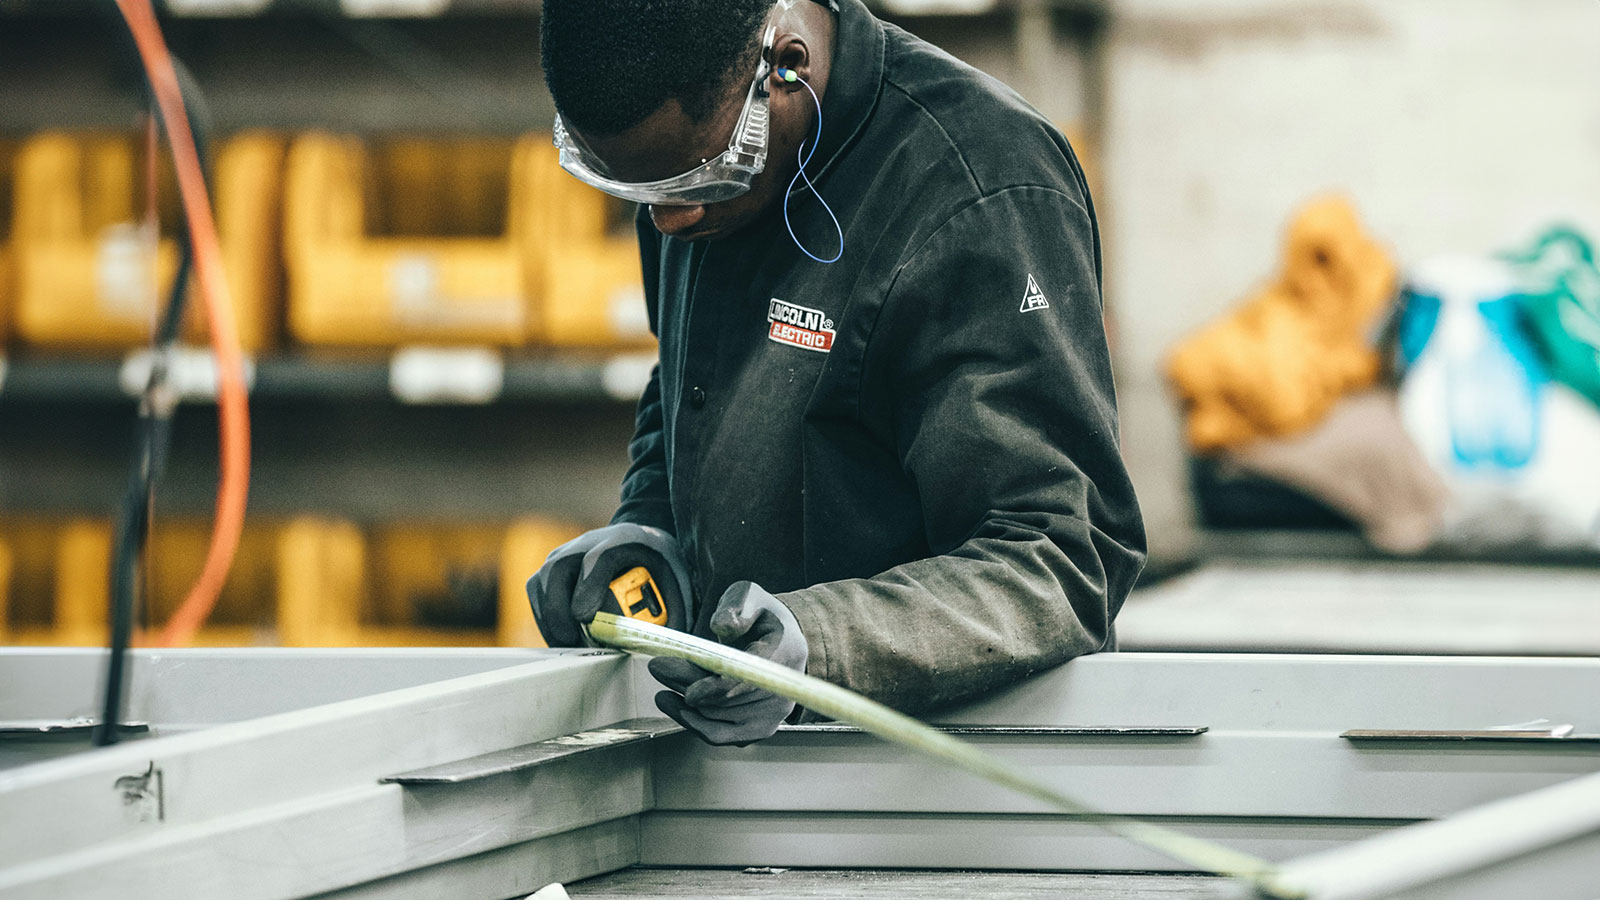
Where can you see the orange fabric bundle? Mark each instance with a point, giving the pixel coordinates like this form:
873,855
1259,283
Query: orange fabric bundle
1276,365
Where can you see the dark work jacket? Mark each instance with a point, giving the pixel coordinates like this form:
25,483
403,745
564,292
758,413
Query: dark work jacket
915,448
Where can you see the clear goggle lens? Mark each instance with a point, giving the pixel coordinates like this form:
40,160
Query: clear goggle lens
723,177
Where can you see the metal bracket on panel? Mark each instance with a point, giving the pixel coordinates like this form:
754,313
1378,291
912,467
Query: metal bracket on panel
1562,734
539,753
1020,730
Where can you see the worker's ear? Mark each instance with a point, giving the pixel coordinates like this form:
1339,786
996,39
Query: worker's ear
789,51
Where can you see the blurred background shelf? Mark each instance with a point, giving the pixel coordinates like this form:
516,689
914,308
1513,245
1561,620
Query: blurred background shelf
1299,545
404,9
307,66
555,378
1201,125
330,436
340,432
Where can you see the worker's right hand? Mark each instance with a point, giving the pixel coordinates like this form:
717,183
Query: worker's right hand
575,581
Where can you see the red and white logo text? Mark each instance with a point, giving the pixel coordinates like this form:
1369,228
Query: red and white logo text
799,326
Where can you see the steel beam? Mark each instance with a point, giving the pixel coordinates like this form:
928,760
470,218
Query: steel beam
290,804
1223,773
1253,748
182,690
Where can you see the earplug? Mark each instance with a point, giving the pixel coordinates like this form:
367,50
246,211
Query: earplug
788,75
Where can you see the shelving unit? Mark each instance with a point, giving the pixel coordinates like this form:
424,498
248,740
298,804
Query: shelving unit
447,64
606,379
378,438
433,9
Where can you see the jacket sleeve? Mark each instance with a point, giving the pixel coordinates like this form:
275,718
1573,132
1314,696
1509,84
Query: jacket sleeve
645,500
990,360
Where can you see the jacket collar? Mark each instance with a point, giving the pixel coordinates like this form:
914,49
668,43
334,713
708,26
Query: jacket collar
854,82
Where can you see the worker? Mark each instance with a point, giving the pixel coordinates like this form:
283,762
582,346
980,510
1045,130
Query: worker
880,445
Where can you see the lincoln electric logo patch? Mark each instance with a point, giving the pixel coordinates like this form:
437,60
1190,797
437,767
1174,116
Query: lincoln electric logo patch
799,326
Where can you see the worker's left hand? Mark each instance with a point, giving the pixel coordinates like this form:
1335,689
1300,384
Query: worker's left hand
725,710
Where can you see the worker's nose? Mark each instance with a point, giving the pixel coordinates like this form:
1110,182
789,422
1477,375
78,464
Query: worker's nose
675,220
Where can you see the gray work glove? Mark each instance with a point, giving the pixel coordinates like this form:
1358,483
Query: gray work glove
575,581
725,710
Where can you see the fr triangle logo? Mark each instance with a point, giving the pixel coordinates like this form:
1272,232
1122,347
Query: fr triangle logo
1033,298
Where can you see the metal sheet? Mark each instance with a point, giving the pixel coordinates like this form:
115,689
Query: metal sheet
1557,735
1271,771
234,771
1544,844
1019,730
528,756
960,841
44,729
875,884
178,689
511,872
1288,693
1254,773
342,840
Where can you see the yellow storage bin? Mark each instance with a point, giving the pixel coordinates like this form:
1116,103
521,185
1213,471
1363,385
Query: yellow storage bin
594,297
527,544
81,583
306,582
321,584
248,185
89,274
426,187
402,584
435,583
60,583
8,152
6,268
410,241
5,591
591,293
34,558
244,614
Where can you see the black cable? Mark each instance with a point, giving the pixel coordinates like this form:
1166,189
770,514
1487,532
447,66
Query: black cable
157,404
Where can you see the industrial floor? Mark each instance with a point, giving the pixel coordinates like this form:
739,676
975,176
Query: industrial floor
870,884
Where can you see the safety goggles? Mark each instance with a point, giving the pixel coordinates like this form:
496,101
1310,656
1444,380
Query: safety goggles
723,177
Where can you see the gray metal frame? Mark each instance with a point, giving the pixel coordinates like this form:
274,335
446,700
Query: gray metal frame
1544,844
359,773
291,805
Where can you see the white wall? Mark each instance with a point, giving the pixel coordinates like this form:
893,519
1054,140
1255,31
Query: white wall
1456,126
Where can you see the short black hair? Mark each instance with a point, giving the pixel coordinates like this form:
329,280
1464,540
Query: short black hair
611,63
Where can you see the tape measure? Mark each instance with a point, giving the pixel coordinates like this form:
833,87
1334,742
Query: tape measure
638,597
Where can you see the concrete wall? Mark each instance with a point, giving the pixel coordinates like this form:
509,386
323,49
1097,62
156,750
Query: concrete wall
1455,126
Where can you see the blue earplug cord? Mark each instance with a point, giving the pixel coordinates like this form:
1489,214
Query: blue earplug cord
804,156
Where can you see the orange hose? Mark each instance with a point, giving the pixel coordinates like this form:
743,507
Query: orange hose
233,413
